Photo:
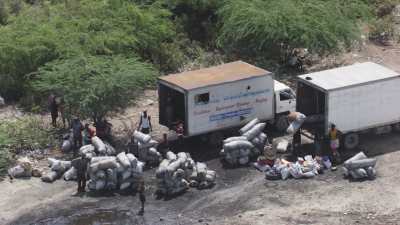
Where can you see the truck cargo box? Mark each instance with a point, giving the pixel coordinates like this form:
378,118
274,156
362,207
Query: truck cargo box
216,98
354,98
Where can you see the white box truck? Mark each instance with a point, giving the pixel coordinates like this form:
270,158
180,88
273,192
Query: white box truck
356,98
209,100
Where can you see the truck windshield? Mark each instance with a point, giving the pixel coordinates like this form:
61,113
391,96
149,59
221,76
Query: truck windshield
286,95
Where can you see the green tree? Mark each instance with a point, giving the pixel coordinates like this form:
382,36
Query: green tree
255,27
3,13
62,30
95,86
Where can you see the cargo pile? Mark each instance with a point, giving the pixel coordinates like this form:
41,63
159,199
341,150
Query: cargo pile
97,148
239,150
297,119
306,167
23,168
57,169
360,167
115,172
178,172
146,148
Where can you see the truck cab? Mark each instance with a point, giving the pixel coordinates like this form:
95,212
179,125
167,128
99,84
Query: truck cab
285,98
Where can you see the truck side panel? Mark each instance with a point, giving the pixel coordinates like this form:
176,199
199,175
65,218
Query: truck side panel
365,106
230,104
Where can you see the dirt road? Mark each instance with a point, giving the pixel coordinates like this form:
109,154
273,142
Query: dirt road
241,196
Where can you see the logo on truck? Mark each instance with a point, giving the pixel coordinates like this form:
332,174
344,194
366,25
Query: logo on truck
236,113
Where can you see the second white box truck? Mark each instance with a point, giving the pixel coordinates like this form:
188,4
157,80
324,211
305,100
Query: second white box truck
356,98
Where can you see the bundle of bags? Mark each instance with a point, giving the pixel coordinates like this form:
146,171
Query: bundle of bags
68,141
178,172
239,150
306,167
57,169
23,168
297,119
97,148
146,148
115,172
359,167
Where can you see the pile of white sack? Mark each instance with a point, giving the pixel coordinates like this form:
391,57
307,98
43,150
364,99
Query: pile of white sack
146,148
115,172
239,150
68,142
58,168
359,167
97,148
178,172
23,168
297,119
306,167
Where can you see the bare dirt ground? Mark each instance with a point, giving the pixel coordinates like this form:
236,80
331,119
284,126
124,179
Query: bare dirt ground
241,196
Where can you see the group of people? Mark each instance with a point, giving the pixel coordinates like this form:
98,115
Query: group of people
83,134
334,144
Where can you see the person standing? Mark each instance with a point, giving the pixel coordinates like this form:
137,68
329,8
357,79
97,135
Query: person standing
164,146
77,129
53,108
145,123
88,133
334,144
81,166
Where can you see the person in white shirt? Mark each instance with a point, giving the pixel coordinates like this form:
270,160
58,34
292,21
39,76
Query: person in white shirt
145,123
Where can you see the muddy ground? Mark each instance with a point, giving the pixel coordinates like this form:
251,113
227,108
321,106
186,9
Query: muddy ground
241,196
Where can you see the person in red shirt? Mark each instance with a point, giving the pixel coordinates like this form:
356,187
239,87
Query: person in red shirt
88,133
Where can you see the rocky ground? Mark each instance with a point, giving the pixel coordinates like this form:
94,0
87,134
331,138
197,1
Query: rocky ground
241,196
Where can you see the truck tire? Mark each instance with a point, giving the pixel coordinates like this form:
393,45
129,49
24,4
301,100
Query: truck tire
215,139
351,140
396,127
281,123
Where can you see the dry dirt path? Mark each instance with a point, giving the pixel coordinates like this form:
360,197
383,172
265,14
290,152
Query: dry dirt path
241,196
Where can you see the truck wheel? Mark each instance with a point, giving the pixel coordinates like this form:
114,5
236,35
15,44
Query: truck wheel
282,123
215,139
351,140
396,127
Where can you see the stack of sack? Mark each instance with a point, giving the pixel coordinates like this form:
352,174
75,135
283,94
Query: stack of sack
58,168
23,168
306,167
359,167
239,150
146,148
97,148
68,141
178,172
109,172
297,119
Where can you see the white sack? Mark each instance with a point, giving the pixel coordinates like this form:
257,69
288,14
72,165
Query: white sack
123,160
99,145
141,137
249,125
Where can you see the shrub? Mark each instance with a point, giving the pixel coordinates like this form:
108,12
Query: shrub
94,86
255,27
